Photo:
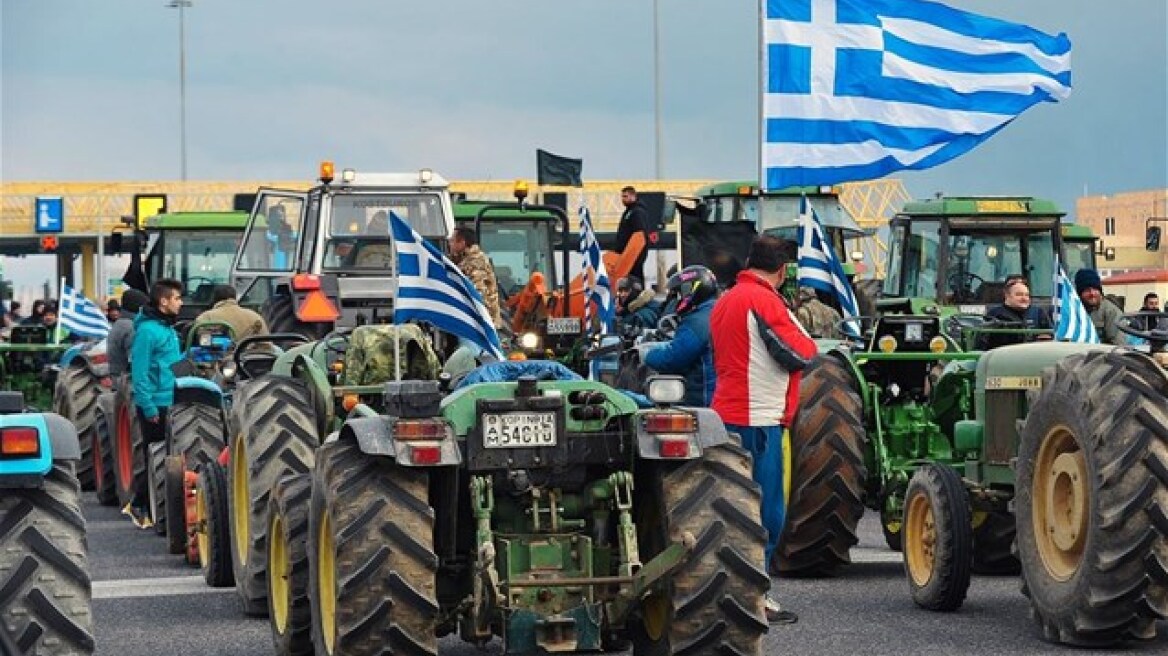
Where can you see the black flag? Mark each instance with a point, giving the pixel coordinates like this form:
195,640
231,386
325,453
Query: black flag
556,170
135,275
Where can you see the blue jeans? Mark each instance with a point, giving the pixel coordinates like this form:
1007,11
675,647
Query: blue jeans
765,443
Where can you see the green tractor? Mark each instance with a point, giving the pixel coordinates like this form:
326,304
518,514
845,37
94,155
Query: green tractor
27,365
538,507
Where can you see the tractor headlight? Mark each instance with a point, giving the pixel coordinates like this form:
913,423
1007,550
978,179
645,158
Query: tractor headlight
665,390
886,344
529,341
228,371
937,344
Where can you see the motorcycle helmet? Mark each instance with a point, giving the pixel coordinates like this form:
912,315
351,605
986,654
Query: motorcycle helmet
691,287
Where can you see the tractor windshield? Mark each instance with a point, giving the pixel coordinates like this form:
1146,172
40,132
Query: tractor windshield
517,249
1078,254
199,259
358,230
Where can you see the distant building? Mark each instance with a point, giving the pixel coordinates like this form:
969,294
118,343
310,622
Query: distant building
1119,220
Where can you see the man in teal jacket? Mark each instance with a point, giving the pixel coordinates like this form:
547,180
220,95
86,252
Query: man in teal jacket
154,349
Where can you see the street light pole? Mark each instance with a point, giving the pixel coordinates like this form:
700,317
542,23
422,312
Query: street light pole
181,5
656,92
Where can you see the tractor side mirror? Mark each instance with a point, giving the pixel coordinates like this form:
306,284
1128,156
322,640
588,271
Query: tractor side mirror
1109,253
669,211
1152,238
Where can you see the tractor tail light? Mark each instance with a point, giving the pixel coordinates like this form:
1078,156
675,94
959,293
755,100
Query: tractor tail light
670,422
430,454
419,429
305,282
20,441
674,448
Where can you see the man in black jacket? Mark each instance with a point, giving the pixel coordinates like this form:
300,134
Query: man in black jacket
635,218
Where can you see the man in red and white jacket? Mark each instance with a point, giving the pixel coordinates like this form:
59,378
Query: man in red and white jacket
760,351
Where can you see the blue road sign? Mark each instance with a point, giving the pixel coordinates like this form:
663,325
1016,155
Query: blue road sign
50,214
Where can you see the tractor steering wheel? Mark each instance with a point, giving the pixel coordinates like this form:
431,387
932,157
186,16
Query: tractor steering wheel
961,283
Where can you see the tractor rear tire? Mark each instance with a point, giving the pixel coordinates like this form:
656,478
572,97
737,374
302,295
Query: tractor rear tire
1092,499
372,564
105,486
715,603
44,578
937,538
280,316
828,475
276,436
75,399
156,486
993,546
129,461
196,431
288,607
213,526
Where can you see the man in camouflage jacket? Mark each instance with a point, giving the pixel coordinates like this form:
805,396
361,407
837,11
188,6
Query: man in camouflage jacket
465,252
818,318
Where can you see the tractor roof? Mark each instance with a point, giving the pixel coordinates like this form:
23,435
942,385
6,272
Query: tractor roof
750,188
198,221
467,210
967,206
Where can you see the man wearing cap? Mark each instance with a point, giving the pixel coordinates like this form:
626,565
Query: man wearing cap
1104,314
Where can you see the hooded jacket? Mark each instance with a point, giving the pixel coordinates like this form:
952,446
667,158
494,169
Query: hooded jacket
154,350
121,335
640,312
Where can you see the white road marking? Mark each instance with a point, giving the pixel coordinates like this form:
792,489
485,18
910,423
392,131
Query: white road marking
875,555
153,587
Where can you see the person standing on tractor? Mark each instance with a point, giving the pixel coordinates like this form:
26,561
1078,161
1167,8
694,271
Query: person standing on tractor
1104,314
465,252
635,307
1014,312
226,309
818,318
689,353
121,334
634,219
760,351
155,348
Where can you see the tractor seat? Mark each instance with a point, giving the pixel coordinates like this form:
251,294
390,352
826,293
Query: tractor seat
992,292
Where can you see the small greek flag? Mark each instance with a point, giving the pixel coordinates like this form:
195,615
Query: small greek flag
819,268
597,288
857,89
80,315
1074,322
431,288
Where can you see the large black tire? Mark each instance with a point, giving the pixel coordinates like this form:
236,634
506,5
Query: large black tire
196,431
175,500
214,532
44,578
288,607
828,475
105,487
275,436
993,546
937,538
156,486
1096,443
715,603
129,460
372,565
75,398
280,316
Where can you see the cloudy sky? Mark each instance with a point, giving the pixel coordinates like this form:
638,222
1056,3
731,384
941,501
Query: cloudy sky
472,88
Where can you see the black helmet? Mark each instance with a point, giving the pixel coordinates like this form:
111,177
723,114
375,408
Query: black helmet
631,284
691,287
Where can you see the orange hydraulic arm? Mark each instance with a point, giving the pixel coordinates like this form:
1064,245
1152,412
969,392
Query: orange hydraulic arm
616,265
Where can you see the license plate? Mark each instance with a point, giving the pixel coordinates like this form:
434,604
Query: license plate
563,325
519,430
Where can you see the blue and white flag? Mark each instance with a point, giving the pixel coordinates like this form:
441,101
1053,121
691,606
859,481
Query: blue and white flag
857,89
431,288
819,268
597,288
1073,322
80,315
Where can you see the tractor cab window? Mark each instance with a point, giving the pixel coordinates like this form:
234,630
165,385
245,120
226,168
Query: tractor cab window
921,246
273,234
200,260
980,262
1078,255
359,231
516,250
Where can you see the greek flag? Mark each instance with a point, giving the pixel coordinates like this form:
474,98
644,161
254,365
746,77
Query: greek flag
431,288
1074,322
819,268
597,288
857,89
80,315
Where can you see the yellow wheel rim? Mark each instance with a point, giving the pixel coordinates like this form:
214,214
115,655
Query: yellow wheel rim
920,537
655,615
326,576
240,498
278,573
979,518
201,540
1061,503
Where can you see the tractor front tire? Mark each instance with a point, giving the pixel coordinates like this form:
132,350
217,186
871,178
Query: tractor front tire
44,580
937,538
213,526
276,435
196,431
280,316
75,398
129,460
288,607
175,501
105,487
828,475
715,603
372,564
156,486
1092,500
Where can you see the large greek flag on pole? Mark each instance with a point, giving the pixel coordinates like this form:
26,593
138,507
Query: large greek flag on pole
857,89
80,315
597,288
1074,322
819,268
431,288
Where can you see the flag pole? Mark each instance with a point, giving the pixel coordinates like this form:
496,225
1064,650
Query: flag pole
761,124
57,328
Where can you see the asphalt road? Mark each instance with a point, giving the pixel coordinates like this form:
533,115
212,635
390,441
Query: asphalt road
148,603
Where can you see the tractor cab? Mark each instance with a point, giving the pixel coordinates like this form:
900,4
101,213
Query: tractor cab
317,259
195,248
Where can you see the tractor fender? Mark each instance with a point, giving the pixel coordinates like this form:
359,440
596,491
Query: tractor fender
842,352
301,364
192,389
57,442
374,436
92,356
711,432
